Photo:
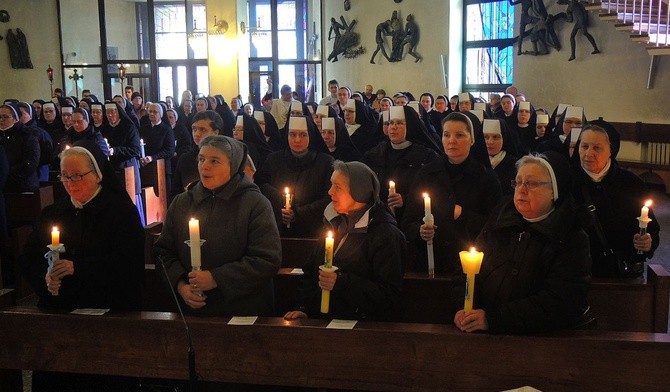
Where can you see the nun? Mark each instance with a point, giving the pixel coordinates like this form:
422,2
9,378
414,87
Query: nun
28,118
22,150
503,157
249,132
360,126
270,130
304,167
367,283
464,193
83,130
566,134
408,148
337,139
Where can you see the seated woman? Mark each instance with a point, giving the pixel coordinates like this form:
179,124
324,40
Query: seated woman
360,125
304,167
242,252
248,131
367,282
617,196
103,261
464,193
536,269
270,130
335,135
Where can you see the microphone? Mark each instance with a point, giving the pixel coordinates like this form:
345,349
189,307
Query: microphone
192,374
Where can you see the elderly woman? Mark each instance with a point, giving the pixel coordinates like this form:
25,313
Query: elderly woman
536,269
464,193
82,129
367,282
103,261
242,251
615,196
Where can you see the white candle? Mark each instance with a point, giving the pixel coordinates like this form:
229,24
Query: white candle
194,237
142,148
55,237
391,187
426,204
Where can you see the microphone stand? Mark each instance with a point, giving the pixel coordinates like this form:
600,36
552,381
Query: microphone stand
192,375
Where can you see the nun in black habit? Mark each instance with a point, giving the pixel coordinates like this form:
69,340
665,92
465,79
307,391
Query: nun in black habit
250,133
360,125
270,130
337,140
502,154
29,119
408,148
82,129
304,168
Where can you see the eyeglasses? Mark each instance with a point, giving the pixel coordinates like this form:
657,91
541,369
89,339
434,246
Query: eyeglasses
528,185
5,117
73,178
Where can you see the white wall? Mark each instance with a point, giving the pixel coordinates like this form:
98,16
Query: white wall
432,17
38,21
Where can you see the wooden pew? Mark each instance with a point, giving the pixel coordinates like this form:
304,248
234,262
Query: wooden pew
127,179
58,188
295,252
24,208
151,233
304,353
154,191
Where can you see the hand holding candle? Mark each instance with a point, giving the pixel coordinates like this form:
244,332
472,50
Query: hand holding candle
471,262
53,255
142,155
429,221
644,220
327,266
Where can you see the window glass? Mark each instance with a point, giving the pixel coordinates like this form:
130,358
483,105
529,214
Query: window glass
80,36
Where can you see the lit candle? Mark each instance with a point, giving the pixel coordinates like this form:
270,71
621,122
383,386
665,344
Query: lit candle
471,262
644,212
426,204
142,155
194,237
287,197
391,187
328,266
55,237
67,146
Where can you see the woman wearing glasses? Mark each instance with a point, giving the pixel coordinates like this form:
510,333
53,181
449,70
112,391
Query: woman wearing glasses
536,269
102,263
463,193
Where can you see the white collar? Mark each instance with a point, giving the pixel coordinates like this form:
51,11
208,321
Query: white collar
329,213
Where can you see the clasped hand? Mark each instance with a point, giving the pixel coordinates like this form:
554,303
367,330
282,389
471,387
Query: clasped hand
471,321
394,200
642,242
192,292
287,215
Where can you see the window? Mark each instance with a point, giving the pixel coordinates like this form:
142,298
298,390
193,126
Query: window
488,52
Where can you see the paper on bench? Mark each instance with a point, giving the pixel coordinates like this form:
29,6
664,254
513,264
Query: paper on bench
523,389
90,311
242,320
297,271
342,324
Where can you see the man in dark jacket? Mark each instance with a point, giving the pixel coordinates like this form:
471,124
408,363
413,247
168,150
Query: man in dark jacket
369,252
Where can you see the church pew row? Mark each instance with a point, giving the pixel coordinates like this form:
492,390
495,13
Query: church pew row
305,353
154,189
632,306
24,208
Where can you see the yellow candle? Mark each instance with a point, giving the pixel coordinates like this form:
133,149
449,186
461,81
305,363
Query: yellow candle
391,187
426,204
471,262
55,236
328,264
194,237
287,197
644,212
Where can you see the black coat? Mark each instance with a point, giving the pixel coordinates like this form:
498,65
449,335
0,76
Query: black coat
23,156
308,179
534,276
369,263
400,166
470,185
159,141
618,199
506,172
186,171
124,140
89,133
106,243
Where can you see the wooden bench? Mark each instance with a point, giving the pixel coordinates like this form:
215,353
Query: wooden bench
24,208
295,252
304,353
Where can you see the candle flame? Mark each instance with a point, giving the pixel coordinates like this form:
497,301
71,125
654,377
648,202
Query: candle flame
193,219
55,228
67,146
648,203
286,190
330,234
425,194
391,183
473,250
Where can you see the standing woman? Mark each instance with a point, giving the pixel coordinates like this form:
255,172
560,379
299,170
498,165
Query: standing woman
503,157
83,130
183,139
249,132
337,139
103,263
270,129
124,146
242,251
617,196
23,152
463,192
305,168
360,126
399,158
